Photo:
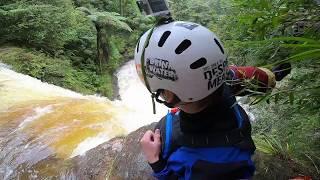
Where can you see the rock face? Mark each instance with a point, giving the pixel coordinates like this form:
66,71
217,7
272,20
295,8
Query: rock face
119,158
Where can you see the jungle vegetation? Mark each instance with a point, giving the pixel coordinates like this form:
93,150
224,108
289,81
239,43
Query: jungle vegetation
78,44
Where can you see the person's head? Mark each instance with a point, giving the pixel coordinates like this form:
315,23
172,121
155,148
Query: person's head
183,62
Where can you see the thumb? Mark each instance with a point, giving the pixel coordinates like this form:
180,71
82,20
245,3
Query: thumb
157,136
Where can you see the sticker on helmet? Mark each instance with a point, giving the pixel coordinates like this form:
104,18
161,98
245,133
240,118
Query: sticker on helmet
189,26
215,74
161,69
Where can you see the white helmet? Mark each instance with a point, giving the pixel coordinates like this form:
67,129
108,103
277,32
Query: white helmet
184,58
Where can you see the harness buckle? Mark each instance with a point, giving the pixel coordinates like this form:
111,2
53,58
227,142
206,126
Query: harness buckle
227,139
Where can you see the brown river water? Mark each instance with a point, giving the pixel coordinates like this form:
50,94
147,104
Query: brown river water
43,126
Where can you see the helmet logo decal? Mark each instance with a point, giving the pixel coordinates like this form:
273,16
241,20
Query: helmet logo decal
161,69
215,74
186,25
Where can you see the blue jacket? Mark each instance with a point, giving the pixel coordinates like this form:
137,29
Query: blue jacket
230,160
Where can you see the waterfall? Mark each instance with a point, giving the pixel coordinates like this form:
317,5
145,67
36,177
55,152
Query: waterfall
40,122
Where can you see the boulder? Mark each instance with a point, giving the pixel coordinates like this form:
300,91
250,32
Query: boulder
119,158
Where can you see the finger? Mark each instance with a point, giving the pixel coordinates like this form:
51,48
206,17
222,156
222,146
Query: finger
147,136
157,131
157,136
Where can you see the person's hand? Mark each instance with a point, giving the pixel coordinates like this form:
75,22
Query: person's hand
151,145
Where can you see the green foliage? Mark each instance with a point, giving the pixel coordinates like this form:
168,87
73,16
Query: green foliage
291,119
304,48
272,146
56,71
61,31
107,19
48,26
198,11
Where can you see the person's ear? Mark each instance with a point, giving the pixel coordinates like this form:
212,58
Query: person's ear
168,96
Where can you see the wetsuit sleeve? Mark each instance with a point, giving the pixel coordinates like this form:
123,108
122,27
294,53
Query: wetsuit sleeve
245,80
158,166
161,169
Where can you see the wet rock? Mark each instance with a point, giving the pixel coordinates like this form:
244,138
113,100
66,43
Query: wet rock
119,158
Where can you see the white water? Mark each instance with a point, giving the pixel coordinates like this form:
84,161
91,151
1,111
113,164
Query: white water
136,96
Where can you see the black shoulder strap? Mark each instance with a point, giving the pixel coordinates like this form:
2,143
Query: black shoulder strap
231,138
162,126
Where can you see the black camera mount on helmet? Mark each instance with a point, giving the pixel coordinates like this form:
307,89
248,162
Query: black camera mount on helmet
154,7
160,10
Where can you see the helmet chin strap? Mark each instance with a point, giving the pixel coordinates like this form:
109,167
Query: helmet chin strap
160,21
174,102
169,105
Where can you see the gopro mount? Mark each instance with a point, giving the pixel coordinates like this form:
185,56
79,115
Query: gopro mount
154,7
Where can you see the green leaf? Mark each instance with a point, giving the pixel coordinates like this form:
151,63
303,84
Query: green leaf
306,55
301,39
260,99
311,54
300,45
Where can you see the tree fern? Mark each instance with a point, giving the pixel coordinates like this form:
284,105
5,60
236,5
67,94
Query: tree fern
107,19
105,23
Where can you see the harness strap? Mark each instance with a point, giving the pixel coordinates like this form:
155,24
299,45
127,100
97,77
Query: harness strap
238,115
231,138
168,130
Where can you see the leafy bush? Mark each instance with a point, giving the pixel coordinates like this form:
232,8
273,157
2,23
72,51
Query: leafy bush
41,24
58,71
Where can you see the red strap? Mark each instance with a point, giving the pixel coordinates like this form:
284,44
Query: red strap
174,110
250,72
302,178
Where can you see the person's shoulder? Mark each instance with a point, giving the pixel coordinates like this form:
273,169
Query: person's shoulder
162,122
243,112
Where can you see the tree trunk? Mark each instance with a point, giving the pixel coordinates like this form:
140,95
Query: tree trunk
102,47
121,7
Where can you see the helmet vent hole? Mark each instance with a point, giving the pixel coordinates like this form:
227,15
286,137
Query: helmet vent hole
163,38
183,46
199,63
218,43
